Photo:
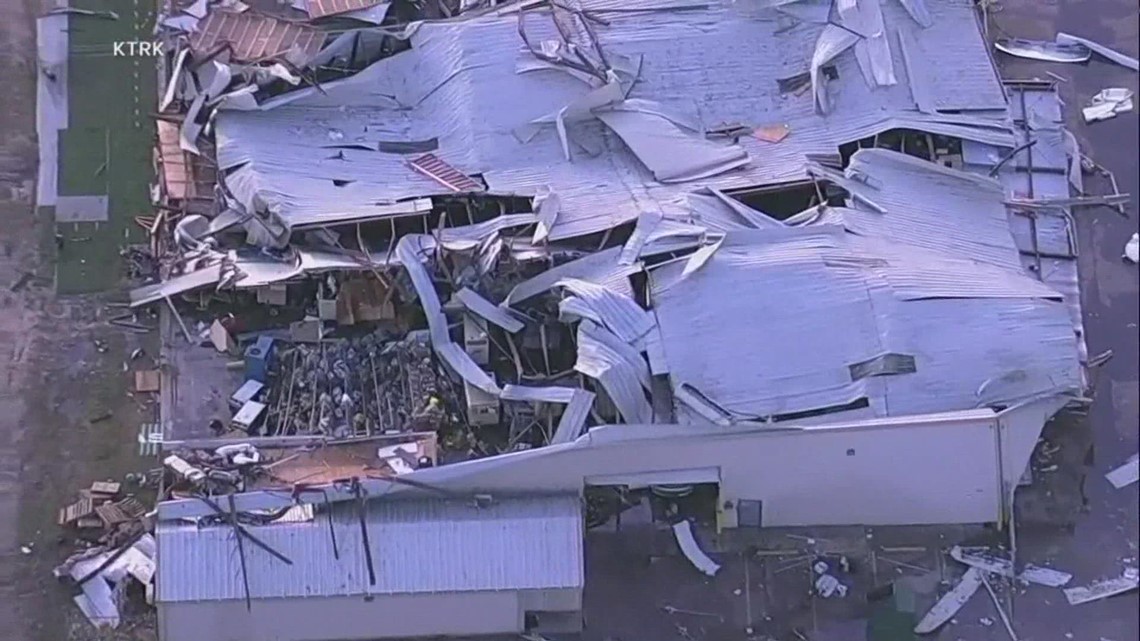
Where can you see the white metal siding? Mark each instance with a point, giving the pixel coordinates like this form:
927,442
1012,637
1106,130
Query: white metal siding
924,472
343,618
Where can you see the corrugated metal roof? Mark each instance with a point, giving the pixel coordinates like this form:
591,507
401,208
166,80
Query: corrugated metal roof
1052,177
979,333
929,206
417,546
461,83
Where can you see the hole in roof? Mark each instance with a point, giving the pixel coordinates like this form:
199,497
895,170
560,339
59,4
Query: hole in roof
784,201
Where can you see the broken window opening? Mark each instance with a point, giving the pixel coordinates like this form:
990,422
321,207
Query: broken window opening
784,201
888,364
858,404
944,150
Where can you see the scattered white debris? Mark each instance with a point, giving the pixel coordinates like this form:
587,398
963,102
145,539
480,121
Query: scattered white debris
1045,576
1127,582
1132,249
1108,103
983,559
986,621
1126,474
951,602
25,549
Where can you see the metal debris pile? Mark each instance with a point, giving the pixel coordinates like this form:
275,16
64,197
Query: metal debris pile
359,387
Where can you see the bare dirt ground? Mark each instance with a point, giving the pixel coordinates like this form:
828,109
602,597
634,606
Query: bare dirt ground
54,377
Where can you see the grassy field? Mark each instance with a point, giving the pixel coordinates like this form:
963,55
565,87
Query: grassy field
108,145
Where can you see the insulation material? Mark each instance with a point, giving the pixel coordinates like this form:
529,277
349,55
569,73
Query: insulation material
873,50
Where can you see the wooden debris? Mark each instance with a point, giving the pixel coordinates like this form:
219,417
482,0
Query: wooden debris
147,380
82,508
772,133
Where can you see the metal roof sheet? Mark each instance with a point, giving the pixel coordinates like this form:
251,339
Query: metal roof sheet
470,84
979,333
417,547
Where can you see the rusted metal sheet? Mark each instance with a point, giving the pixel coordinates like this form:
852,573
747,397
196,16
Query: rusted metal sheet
175,171
253,37
322,8
440,171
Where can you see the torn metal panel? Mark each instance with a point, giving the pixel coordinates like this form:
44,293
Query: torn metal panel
656,234
629,354
873,50
1111,54
599,267
468,237
255,37
177,285
578,403
615,373
487,310
1046,51
670,153
191,128
833,40
618,312
174,82
546,205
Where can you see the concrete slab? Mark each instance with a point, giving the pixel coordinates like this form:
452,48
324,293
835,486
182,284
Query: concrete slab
81,209
51,102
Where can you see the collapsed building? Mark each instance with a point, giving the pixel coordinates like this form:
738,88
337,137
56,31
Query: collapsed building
818,261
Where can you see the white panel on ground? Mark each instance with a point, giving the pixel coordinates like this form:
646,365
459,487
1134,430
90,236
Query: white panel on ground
80,209
692,551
